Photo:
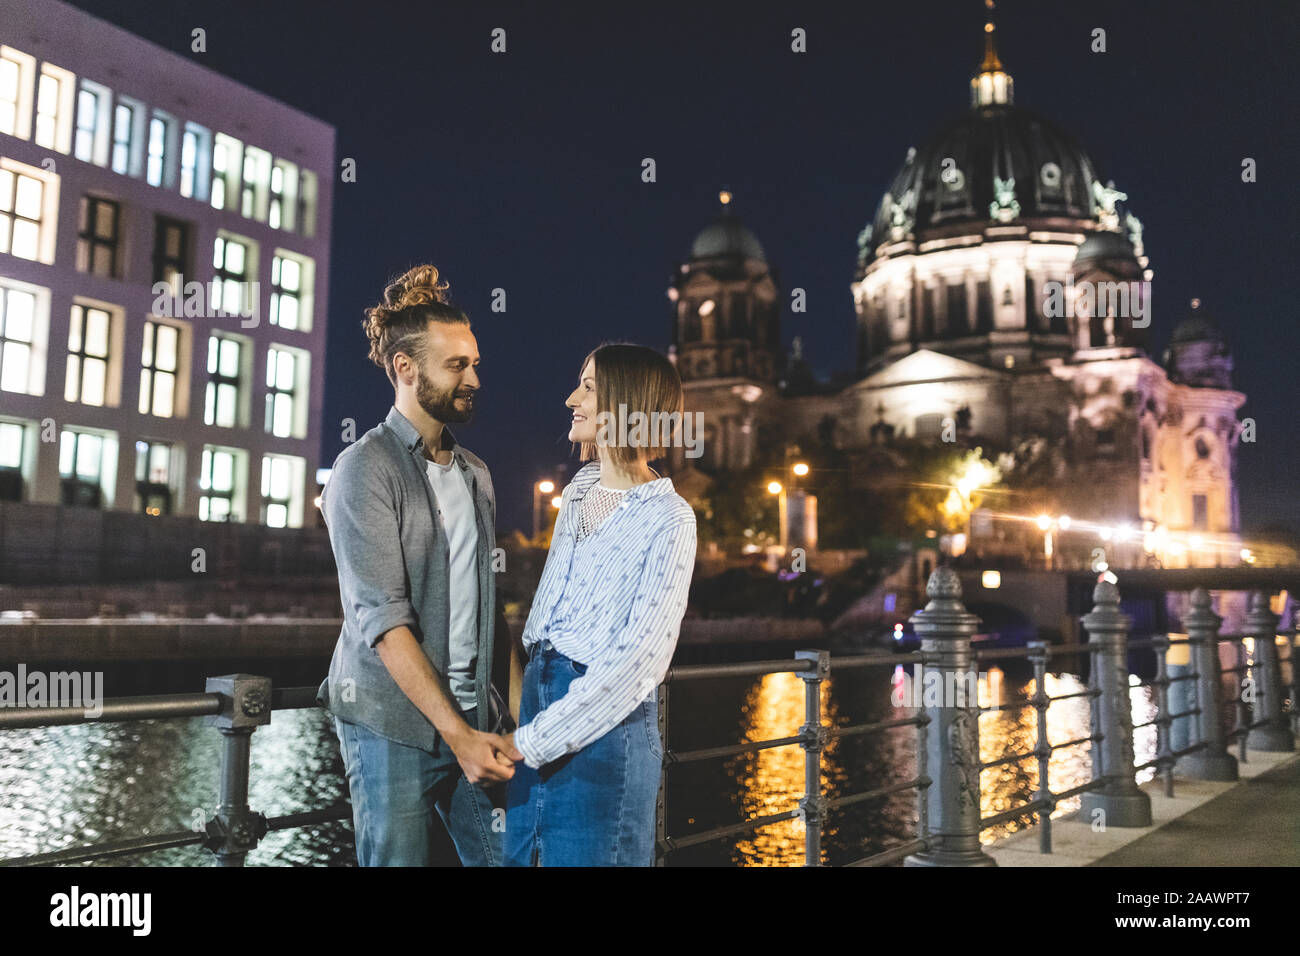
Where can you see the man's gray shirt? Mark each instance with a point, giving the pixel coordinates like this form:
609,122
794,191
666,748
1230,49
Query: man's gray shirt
391,549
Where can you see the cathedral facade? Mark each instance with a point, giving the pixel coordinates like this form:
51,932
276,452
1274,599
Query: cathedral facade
1002,295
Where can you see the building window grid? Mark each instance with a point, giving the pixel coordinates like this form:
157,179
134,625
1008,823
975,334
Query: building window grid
230,261
171,244
10,95
220,162
155,162
153,477
22,201
189,162
221,405
98,236
81,458
159,361
88,356
87,125
277,491
281,391
123,121
17,329
47,110
13,437
286,293
247,188
217,482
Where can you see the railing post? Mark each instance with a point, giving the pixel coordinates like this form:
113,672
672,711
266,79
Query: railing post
952,755
1213,762
813,807
1121,801
245,706
1042,747
1274,734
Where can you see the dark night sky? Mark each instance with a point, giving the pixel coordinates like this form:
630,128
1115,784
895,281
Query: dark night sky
522,170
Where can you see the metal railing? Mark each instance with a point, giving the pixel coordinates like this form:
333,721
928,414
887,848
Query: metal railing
236,704
948,767
947,780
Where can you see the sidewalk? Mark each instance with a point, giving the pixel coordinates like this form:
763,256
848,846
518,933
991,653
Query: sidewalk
1254,822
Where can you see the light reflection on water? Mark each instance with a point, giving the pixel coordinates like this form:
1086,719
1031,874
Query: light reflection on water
62,787
65,787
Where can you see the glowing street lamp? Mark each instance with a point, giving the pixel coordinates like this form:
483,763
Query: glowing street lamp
800,468
540,490
774,488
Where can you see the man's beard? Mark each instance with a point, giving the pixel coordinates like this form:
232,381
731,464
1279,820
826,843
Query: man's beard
441,405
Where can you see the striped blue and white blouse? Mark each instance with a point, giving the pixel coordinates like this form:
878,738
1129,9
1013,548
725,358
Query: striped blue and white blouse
613,601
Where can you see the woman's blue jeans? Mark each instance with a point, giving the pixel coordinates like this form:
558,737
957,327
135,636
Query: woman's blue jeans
595,807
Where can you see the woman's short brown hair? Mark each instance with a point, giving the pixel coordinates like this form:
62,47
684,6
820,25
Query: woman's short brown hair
629,379
399,323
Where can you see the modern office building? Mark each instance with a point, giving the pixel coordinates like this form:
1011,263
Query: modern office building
164,254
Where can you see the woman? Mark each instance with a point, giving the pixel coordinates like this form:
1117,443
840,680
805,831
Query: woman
603,627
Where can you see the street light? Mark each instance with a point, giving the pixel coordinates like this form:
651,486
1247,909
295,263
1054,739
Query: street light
1045,524
800,468
540,490
774,488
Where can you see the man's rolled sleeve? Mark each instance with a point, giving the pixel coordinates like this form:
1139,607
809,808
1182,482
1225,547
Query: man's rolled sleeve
361,516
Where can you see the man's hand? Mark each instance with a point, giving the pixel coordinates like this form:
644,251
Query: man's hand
485,758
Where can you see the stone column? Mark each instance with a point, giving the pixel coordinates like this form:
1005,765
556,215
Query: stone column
1275,736
1122,802
1213,762
952,756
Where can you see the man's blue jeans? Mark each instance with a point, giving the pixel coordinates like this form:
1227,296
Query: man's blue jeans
396,792
595,807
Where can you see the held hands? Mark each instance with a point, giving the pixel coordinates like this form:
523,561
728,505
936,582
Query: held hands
485,757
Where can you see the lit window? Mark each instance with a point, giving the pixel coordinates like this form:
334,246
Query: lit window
284,195
16,92
253,184
291,282
220,477
284,369
88,354
154,486
90,142
123,121
306,211
157,150
227,163
171,252
282,491
81,467
54,101
159,362
22,211
98,236
13,444
17,336
225,360
232,262
195,170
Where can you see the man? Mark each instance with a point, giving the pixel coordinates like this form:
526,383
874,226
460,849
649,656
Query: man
411,516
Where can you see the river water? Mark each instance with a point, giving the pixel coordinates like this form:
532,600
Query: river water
63,787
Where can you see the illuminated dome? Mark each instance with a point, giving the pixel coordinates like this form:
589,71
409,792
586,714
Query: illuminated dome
727,237
996,163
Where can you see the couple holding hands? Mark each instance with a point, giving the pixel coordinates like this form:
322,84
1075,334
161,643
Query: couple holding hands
564,770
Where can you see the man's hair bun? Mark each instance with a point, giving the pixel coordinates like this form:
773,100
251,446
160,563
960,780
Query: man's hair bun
397,324
419,286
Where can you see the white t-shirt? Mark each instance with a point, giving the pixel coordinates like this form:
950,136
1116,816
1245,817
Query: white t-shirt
459,521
